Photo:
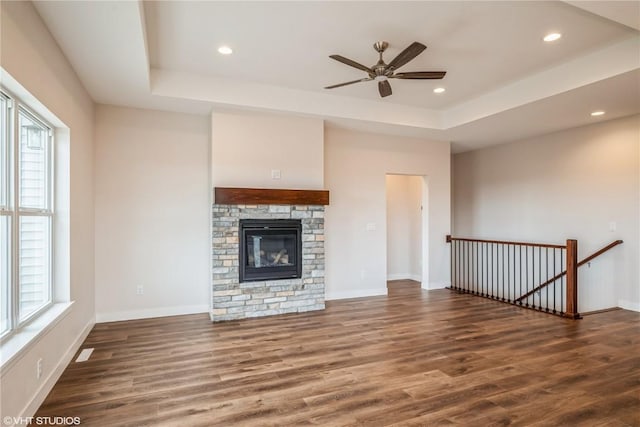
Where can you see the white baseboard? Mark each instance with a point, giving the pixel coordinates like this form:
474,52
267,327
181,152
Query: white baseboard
355,293
629,305
404,276
147,313
435,285
50,381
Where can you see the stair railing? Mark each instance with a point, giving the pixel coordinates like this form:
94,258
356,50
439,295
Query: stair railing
580,264
537,276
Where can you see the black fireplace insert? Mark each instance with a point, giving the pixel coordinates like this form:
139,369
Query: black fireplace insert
270,249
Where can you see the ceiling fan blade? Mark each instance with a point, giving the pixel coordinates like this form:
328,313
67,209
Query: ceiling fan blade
407,55
420,75
349,83
384,88
352,63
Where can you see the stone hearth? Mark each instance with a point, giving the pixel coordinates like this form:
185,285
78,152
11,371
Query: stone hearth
234,300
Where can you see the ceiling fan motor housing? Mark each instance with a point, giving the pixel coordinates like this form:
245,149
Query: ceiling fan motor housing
380,46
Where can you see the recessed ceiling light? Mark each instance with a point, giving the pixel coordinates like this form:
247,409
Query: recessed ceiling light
597,113
225,50
439,90
552,37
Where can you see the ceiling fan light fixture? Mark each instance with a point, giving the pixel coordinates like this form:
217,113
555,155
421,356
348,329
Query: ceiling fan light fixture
225,50
597,113
381,78
439,90
551,37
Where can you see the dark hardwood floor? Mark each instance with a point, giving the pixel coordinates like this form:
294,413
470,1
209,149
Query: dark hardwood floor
413,358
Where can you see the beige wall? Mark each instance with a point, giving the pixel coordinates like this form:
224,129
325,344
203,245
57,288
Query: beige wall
570,184
356,164
246,147
352,166
31,56
152,213
404,227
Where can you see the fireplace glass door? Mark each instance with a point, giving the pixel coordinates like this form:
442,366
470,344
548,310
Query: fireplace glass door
270,250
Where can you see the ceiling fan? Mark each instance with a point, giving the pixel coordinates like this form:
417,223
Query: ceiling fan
382,72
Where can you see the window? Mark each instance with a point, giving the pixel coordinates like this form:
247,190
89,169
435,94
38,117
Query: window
26,214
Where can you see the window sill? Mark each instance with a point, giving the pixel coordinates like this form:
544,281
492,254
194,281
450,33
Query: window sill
16,345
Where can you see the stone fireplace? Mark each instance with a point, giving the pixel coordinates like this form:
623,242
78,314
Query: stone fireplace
236,297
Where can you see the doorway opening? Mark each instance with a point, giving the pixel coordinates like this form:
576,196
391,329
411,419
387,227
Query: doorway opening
407,229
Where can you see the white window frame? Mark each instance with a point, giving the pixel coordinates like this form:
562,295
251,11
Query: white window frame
15,212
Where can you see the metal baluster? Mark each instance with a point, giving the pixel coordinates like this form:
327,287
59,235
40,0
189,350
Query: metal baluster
526,266
499,295
554,282
475,283
512,265
480,269
546,256
520,271
466,286
485,285
512,296
502,259
533,276
488,263
514,273
474,266
562,282
539,277
493,271
457,256
498,271
461,279
484,268
452,263
494,288
460,265
464,266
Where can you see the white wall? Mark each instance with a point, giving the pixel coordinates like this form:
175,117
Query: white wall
246,147
570,184
356,164
152,213
31,56
404,227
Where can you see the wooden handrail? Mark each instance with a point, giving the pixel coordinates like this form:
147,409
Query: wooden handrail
502,242
600,252
580,264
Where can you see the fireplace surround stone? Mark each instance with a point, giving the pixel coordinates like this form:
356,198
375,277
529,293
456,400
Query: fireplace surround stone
234,300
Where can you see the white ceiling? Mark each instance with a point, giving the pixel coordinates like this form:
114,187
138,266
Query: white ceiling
503,82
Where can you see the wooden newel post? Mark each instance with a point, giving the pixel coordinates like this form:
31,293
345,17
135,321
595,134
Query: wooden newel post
572,280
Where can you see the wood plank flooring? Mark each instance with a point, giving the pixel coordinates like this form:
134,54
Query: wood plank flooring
412,358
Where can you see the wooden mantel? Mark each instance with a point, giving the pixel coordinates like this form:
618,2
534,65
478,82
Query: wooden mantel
269,196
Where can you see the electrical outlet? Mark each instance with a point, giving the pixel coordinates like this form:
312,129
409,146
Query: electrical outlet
140,290
39,368
275,174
